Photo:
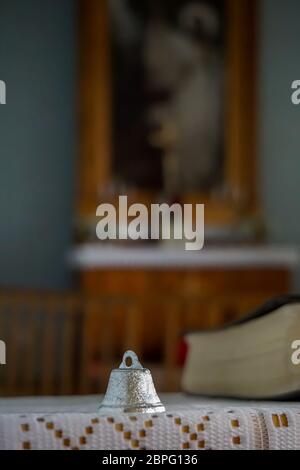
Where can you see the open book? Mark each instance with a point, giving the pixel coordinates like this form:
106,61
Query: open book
257,357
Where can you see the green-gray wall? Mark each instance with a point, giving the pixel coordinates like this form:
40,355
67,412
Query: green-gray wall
280,120
38,134
37,140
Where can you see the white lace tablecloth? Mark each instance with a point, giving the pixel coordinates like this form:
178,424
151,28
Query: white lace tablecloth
73,423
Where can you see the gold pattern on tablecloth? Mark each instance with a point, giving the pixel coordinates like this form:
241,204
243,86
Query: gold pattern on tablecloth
190,430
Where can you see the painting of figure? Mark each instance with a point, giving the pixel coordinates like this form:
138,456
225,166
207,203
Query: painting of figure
168,106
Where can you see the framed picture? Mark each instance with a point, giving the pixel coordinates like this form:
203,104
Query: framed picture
168,104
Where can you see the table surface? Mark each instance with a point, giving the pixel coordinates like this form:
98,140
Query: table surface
90,404
73,423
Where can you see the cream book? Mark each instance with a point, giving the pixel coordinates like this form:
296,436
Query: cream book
257,357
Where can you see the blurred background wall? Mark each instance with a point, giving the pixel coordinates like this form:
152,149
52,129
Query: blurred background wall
38,147
37,140
280,120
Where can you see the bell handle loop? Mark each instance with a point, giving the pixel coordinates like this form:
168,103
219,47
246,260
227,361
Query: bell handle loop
130,361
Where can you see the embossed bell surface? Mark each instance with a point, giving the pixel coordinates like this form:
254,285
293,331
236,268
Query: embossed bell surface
130,389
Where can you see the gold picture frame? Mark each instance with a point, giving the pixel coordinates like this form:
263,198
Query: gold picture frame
240,201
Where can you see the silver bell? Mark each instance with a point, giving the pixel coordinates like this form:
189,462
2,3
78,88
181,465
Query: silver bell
130,389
